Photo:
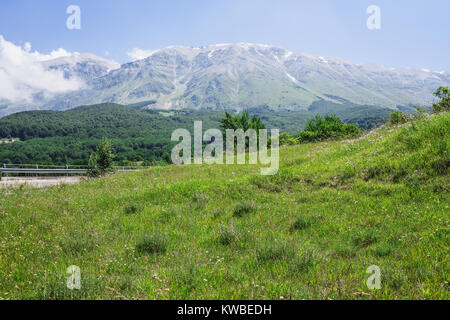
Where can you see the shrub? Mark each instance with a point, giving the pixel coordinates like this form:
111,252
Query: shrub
421,113
93,170
350,130
101,162
442,93
330,126
105,156
155,242
286,139
398,117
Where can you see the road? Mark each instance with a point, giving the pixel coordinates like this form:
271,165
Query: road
39,182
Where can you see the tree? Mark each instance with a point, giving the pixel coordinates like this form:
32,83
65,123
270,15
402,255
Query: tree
442,93
101,162
105,156
330,126
241,121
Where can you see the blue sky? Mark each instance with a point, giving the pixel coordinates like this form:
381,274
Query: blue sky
413,33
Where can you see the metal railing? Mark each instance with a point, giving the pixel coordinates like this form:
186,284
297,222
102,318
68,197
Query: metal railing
49,170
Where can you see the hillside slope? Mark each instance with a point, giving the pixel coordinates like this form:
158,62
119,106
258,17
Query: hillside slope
225,232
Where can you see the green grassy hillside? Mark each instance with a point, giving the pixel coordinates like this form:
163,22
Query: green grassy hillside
206,232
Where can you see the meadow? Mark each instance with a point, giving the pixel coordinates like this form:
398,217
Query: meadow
226,232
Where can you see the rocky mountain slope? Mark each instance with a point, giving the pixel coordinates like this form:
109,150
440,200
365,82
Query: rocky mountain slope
239,76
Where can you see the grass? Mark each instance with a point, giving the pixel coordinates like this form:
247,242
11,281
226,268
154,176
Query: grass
155,242
243,209
302,222
226,232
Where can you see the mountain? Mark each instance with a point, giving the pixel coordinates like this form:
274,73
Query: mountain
238,76
75,68
83,66
241,76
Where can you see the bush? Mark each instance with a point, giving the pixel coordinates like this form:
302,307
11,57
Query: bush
286,139
93,170
330,126
398,117
101,162
105,156
155,242
442,93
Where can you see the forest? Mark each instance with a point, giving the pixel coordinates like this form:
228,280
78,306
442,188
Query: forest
69,137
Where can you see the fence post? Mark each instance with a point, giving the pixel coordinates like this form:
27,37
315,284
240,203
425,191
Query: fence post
67,170
37,167
4,167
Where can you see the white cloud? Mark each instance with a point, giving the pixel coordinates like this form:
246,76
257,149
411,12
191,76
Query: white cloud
22,73
27,46
139,54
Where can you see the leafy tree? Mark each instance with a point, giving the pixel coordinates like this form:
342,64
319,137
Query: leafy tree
101,162
241,121
105,156
330,126
442,93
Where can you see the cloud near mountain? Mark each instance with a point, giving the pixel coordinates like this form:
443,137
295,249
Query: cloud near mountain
22,73
139,54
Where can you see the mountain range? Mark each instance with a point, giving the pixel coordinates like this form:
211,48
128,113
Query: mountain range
234,77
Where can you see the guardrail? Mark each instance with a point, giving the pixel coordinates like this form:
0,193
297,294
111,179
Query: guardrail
36,170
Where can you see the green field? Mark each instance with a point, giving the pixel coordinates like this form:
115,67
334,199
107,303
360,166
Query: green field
226,232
